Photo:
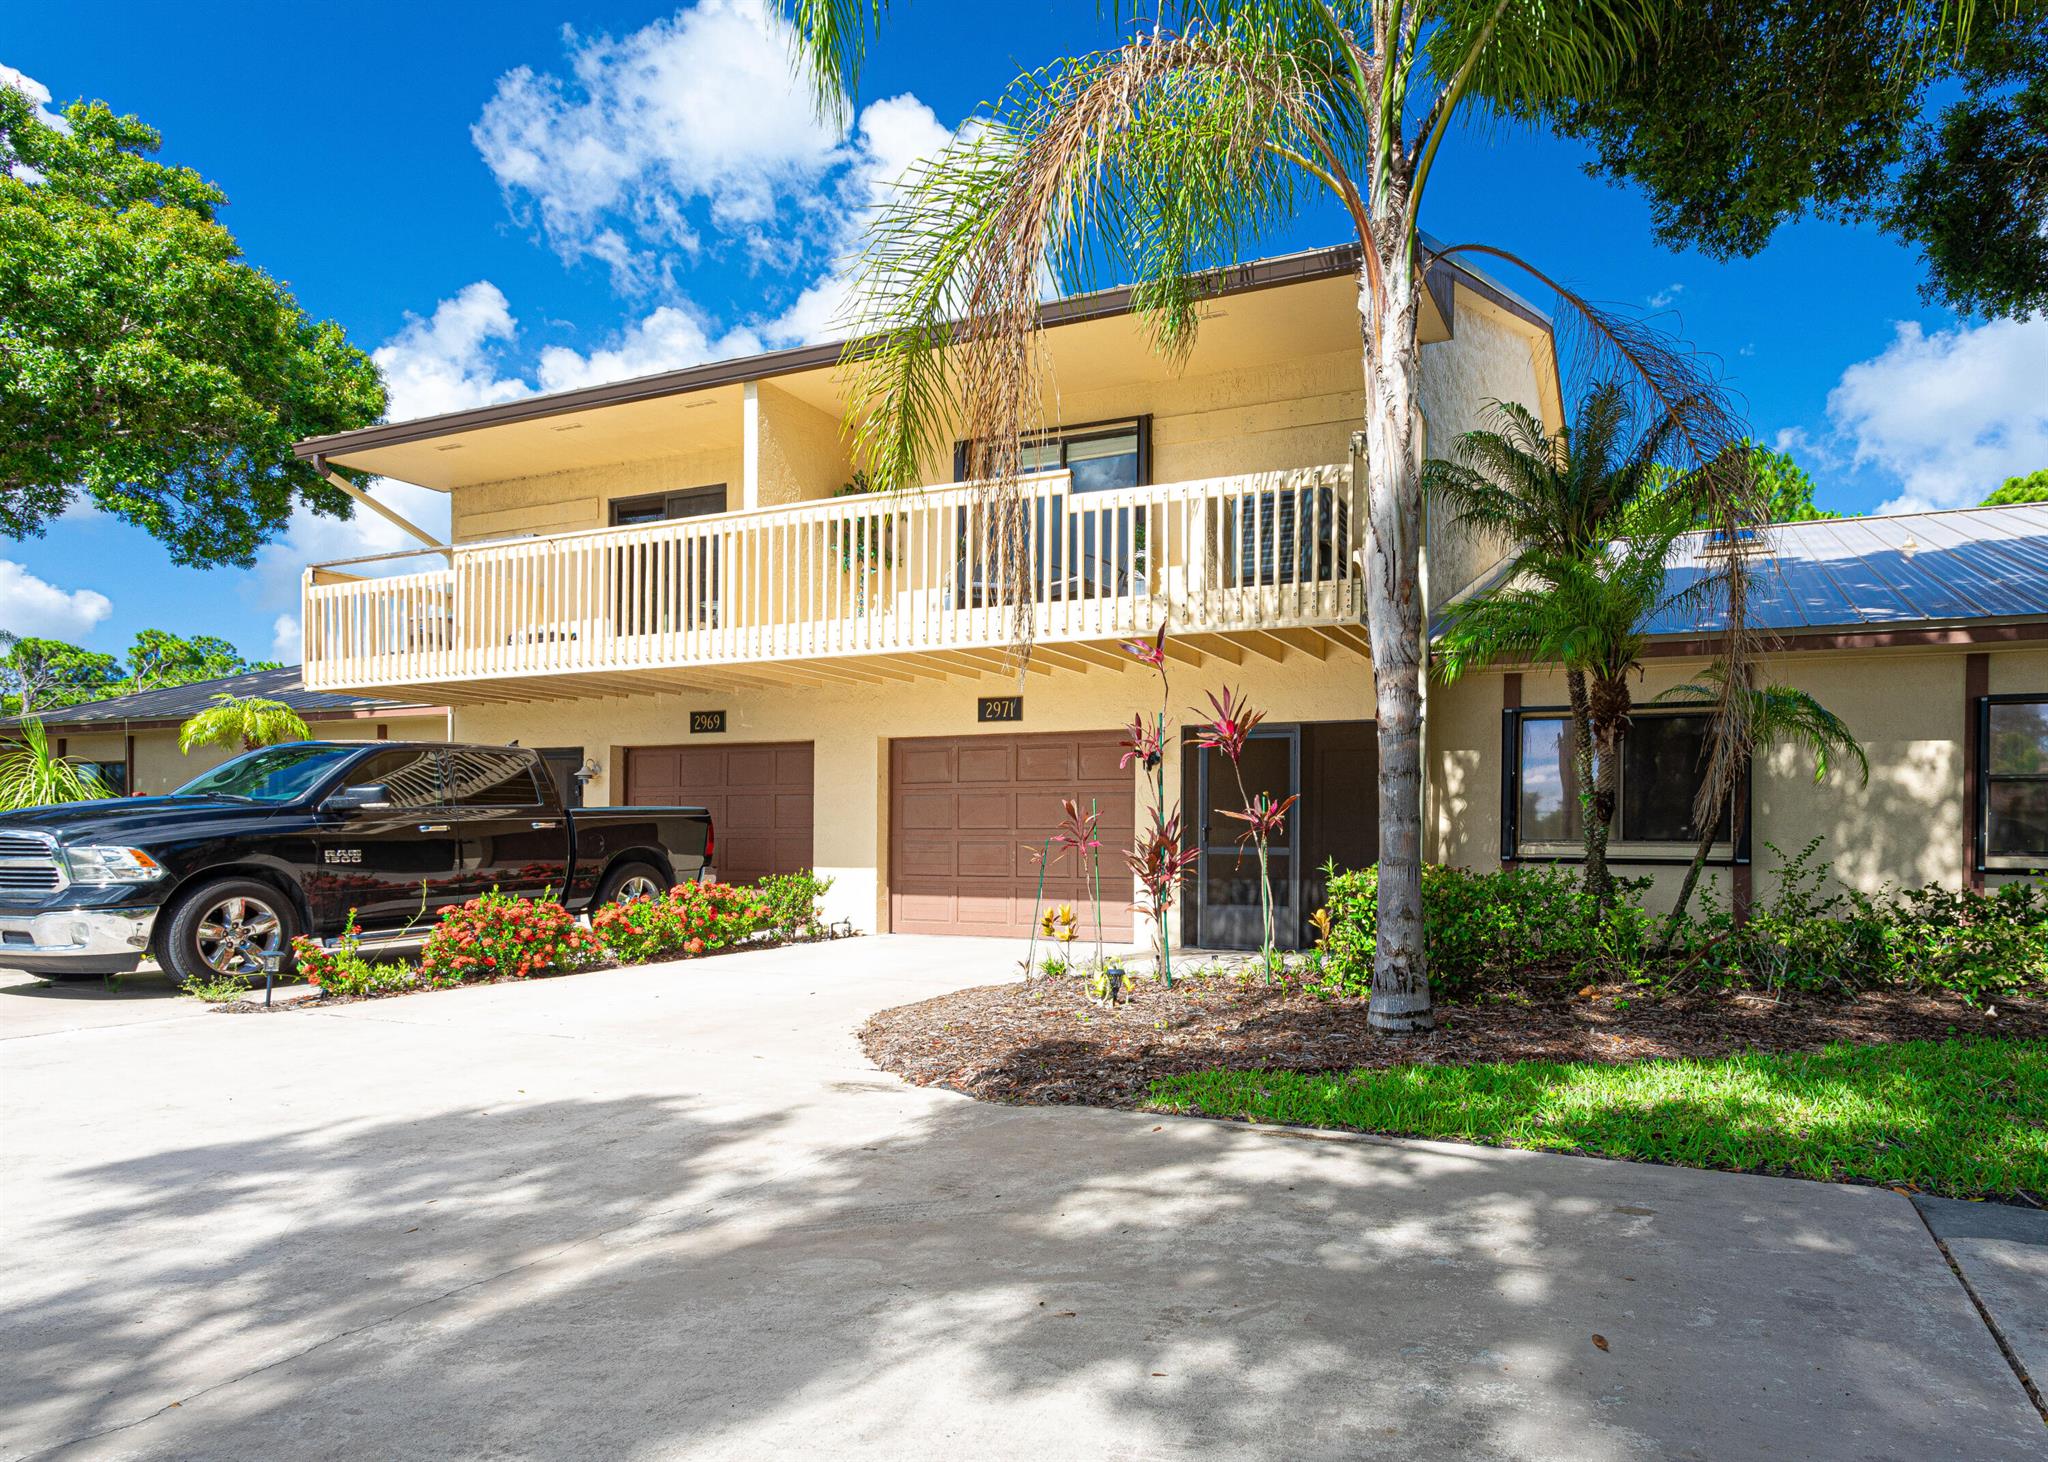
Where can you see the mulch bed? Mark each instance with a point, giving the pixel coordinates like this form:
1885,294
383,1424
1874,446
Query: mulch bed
1047,1042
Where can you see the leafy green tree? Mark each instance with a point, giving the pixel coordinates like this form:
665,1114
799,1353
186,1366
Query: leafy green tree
1771,715
1784,486
250,721
32,775
1735,118
143,362
2032,488
41,674
1594,521
159,658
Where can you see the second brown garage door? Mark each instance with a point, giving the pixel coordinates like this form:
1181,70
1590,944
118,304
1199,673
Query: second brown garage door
967,815
759,797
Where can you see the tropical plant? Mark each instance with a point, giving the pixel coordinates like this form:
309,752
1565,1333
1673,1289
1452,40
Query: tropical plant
1770,715
1076,834
2030,488
32,775
1231,722
1156,857
1176,151
250,721
1589,614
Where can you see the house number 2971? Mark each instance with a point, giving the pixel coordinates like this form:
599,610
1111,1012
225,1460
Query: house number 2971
999,708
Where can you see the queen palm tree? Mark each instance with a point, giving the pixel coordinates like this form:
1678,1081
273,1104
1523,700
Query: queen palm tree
251,720
32,775
1179,150
1771,715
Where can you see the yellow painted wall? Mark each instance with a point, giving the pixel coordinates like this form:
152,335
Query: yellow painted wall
852,728
160,767
1905,706
802,451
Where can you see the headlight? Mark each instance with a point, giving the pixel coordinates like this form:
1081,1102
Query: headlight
99,866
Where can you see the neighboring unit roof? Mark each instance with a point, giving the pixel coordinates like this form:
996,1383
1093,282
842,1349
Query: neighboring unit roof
174,703
1874,573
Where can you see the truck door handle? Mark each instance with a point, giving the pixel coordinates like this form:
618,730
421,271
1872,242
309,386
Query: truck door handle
544,824
433,827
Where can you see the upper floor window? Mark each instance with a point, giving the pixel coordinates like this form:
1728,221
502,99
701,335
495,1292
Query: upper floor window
1663,758
1101,455
659,507
2013,751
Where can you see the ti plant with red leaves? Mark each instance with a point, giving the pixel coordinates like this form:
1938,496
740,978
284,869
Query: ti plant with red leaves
1158,859
1231,723
1076,833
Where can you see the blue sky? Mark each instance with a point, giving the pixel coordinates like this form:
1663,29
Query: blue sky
562,193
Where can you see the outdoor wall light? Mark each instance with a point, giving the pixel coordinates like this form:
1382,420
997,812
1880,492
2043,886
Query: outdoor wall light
590,771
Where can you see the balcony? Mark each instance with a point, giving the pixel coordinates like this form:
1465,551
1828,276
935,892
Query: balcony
856,589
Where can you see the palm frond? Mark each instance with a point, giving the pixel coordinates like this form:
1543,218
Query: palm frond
32,775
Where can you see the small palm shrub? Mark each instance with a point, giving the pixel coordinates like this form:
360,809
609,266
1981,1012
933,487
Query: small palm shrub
495,935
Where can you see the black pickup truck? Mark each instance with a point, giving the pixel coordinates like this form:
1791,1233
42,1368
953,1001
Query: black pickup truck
219,876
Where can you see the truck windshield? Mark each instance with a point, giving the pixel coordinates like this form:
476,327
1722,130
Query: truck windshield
273,774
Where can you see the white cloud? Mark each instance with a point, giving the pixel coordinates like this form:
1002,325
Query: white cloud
693,130
1948,415
448,360
36,92
672,337
1666,297
286,644
33,606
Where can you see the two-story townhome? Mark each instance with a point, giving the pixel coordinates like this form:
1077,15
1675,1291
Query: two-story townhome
677,579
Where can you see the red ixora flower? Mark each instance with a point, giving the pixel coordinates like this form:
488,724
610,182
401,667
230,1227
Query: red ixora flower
1231,721
1152,652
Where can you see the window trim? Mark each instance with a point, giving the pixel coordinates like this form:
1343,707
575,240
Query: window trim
1080,431
1986,861
614,506
1645,853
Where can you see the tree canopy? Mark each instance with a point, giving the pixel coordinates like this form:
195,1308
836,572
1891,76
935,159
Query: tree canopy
38,675
1786,487
2032,488
144,365
1738,119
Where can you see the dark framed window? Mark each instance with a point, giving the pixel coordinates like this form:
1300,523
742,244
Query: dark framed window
1663,759
2012,795
479,776
113,775
659,507
1101,455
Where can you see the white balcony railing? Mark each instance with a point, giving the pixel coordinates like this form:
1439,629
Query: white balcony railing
908,573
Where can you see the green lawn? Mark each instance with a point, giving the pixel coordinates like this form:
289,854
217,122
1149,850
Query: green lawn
1966,1118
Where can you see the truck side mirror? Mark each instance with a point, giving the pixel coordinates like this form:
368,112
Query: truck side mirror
368,797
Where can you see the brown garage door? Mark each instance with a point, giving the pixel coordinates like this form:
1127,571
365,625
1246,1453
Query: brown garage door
759,796
967,815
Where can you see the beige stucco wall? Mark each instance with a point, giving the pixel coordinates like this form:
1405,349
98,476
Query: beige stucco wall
852,728
801,452
564,502
161,767
1906,706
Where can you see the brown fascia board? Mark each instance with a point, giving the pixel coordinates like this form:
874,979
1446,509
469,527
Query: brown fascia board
1237,279
116,725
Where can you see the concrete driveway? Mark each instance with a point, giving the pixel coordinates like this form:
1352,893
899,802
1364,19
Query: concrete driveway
672,1211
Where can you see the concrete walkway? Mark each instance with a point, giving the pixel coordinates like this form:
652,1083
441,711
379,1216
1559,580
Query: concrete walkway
673,1212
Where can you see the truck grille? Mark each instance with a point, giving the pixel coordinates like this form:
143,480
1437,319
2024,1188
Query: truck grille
28,864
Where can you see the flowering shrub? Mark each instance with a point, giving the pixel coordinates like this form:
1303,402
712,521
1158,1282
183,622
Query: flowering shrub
342,970
497,934
689,919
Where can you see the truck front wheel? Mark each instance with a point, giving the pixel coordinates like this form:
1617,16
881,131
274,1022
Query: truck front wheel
227,928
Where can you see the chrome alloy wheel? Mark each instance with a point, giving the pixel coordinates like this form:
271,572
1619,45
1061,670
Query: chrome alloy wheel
237,935
639,886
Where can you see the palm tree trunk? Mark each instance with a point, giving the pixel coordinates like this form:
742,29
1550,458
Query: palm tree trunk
1393,586
1598,881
